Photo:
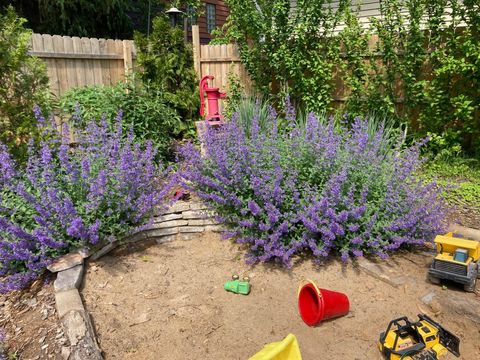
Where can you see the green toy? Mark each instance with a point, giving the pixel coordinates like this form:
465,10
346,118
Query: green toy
237,286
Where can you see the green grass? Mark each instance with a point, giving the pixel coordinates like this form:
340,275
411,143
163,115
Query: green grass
462,176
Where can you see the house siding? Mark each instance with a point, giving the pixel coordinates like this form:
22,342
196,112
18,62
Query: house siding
221,14
366,10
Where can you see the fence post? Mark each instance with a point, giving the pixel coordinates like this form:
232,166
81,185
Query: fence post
196,50
127,57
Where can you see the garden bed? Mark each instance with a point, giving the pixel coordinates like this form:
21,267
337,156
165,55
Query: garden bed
167,302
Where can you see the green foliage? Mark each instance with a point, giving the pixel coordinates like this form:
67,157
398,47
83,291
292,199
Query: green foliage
460,176
85,18
420,67
279,48
115,19
167,66
235,94
144,108
23,83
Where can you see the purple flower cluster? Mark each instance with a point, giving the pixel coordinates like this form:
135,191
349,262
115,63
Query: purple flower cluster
71,196
318,186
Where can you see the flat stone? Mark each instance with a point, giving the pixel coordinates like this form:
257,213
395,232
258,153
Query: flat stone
170,224
427,299
67,301
65,352
196,222
179,206
105,250
188,236
79,331
191,229
75,327
167,217
66,262
162,232
382,272
214,228
69,279
198,206
194,214
133,238
167,238
200,222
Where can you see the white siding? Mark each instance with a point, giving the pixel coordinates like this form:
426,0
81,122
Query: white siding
366,10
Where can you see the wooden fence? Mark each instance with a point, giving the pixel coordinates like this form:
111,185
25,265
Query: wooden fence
219,61
76,62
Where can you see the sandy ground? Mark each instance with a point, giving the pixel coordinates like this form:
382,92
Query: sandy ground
168,302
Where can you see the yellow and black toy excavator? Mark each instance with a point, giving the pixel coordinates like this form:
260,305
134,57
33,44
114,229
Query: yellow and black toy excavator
422,340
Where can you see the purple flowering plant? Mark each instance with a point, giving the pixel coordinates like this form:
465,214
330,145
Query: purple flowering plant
316,186
71,196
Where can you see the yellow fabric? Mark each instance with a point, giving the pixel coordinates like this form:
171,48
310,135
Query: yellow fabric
287,349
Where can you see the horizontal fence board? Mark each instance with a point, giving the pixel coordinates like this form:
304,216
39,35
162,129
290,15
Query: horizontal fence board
68,55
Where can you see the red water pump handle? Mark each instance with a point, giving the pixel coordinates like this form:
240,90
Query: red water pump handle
203,87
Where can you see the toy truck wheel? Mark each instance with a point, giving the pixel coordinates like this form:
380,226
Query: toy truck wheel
434,280
470,287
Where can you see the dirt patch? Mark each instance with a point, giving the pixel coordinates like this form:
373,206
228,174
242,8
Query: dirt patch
30,321
467,216
168,302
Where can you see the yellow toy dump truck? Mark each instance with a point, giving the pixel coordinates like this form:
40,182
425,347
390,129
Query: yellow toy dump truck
457,259
422,340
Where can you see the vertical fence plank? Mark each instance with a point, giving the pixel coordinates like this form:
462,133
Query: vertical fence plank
110,49
102,43
87,49
51,65
70,63
119,68
61,65
80,64
96,65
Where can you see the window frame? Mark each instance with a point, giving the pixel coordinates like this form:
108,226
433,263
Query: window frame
208,17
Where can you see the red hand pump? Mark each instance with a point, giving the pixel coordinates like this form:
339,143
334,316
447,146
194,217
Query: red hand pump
213,94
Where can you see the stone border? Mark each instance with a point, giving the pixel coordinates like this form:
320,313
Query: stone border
72,314
182,221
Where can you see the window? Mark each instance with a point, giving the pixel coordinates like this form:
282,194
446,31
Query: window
461,255
211,18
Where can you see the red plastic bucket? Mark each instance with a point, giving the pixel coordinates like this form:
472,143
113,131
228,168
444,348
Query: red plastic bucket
316,304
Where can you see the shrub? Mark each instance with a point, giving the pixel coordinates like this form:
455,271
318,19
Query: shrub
166,61
23,83
144,108
68,198
322,187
